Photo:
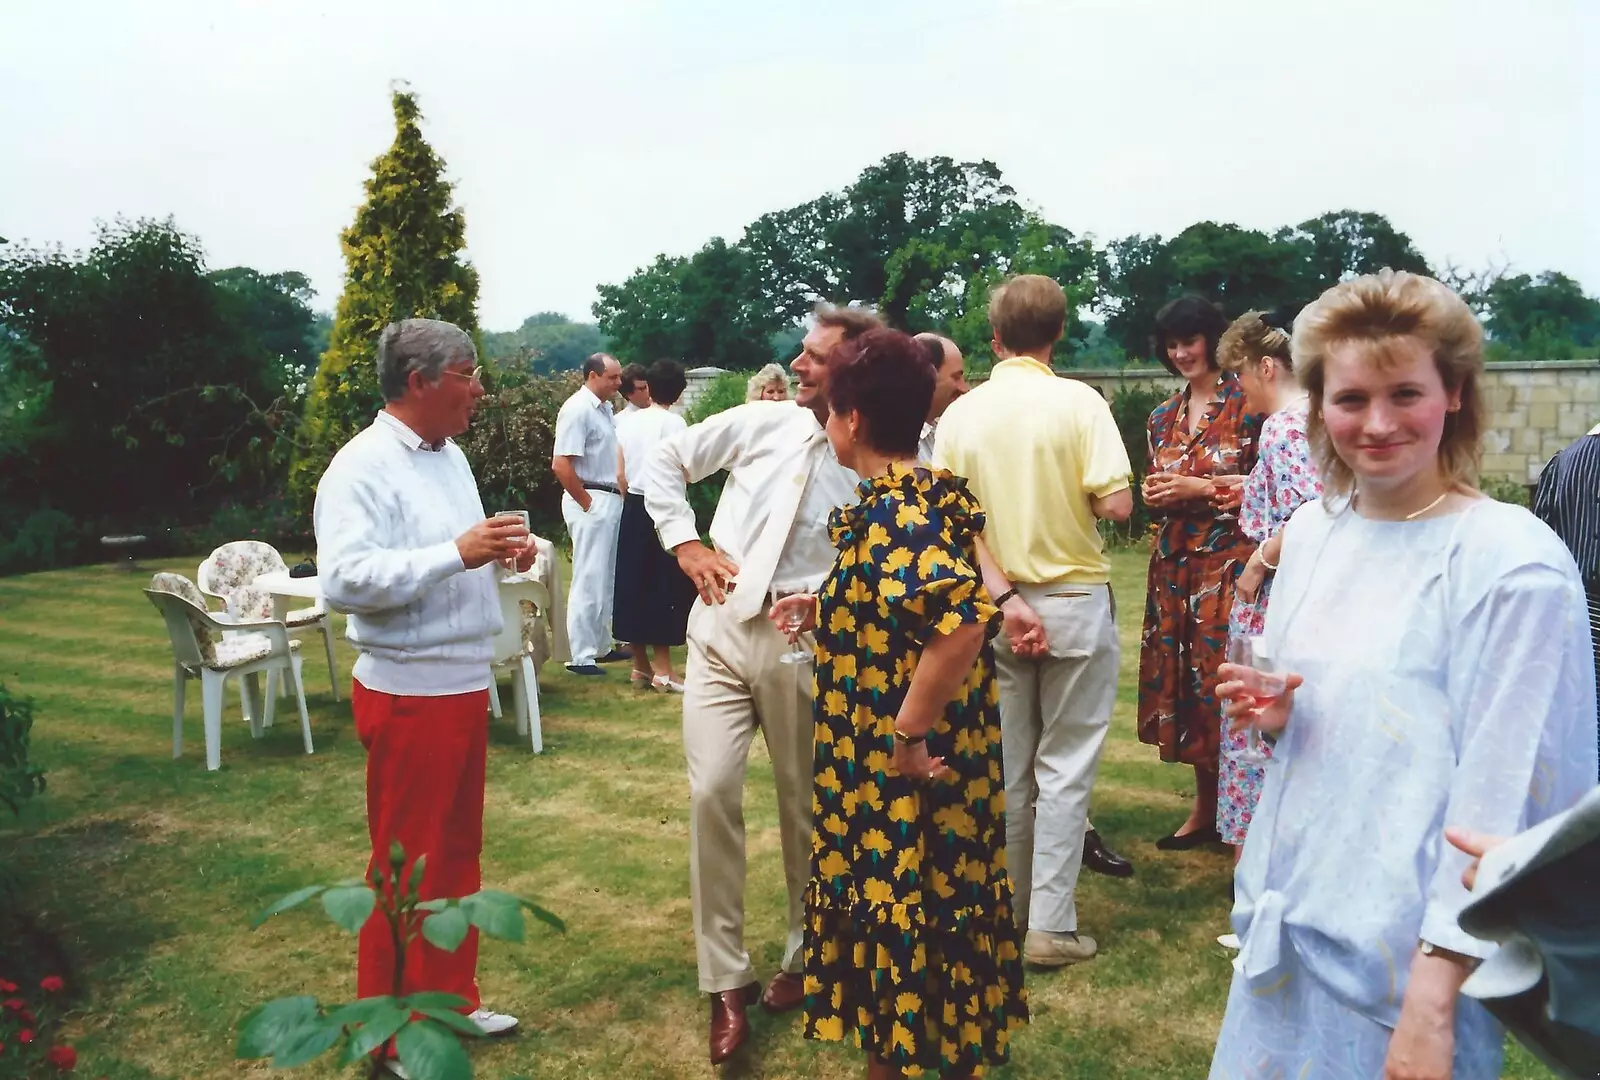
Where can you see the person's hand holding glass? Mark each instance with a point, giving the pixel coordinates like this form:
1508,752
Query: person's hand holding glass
522,562
1168,485
1227,482
1256,698
794,611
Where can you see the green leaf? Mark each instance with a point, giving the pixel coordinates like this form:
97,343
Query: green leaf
414,882
309,1042
446,929
430,1052
496,913
275,1026
350,905
362,1010
375,1031
294,899
434,905
549,918
452,1019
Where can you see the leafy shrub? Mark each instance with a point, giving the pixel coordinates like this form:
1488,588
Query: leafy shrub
45,538
1131,408
510,444
1506,490
20,779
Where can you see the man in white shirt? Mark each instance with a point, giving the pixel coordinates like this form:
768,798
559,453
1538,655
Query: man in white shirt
404,550
635,391
770,534
950,382
585,464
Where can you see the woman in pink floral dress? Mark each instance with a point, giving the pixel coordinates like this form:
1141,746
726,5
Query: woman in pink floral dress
1283,478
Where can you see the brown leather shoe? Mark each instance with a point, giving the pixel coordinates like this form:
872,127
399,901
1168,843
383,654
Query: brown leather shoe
729,1025
786,991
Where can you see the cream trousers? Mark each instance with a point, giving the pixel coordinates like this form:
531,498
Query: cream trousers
735,684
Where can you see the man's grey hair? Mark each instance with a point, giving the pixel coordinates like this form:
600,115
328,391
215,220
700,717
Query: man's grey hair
426,346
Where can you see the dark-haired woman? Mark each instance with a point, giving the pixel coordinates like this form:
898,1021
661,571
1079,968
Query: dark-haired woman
653,597
1202,446
911,945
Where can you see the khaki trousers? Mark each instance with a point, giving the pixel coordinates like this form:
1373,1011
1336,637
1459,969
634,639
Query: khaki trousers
1054,714
733,685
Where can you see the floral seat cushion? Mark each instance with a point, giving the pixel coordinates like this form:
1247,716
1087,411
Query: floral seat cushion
236,650
251,603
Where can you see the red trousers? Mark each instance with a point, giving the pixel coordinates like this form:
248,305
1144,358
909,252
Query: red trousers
425,765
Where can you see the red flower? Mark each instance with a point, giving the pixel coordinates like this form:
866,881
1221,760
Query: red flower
51,983
27,1016
26,1036
64,1058
7,987
15,1004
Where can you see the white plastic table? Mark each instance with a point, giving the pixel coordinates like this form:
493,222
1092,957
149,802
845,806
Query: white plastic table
285,589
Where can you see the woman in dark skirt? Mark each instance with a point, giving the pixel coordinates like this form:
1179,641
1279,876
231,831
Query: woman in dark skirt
651,605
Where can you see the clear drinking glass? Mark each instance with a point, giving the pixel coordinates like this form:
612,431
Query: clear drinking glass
1263,686
1226,473
527,523
791,623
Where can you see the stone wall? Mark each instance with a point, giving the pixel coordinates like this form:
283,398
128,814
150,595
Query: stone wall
1535,410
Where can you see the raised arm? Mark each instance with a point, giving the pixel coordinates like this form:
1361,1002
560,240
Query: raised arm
358,572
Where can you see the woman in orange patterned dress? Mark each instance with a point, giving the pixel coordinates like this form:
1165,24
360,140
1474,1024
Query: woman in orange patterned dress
1202,446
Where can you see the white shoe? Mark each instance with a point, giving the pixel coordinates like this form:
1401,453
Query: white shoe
493,1023
1044,949
666,684
1230,941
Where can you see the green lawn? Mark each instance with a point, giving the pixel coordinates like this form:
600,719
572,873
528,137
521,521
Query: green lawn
148,870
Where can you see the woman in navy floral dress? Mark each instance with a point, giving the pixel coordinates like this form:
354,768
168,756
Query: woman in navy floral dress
911,950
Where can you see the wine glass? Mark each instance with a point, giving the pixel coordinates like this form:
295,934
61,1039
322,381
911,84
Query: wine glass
1263,687
527,523
1226,473
793,619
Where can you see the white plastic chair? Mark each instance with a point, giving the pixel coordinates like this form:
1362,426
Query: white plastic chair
523,604
237,564
210,649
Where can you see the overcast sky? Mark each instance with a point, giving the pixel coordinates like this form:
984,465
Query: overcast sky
584,138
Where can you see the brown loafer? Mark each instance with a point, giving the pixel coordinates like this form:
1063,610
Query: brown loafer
786,991
729,1025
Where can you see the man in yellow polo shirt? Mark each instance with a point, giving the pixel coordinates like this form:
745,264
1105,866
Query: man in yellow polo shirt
1044,457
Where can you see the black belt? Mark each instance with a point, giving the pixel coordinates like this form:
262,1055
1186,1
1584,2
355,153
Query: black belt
603,487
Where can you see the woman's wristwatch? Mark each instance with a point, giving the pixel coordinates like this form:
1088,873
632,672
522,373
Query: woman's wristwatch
908,740
1000,601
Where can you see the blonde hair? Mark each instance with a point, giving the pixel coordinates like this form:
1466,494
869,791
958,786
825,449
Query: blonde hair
1028,312
1248,339
1374,313
772,374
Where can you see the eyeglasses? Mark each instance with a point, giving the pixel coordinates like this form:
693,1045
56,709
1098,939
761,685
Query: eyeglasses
475,375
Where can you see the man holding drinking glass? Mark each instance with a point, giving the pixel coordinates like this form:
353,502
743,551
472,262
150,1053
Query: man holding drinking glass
405,551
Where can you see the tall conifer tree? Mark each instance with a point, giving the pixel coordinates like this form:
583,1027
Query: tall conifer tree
403,259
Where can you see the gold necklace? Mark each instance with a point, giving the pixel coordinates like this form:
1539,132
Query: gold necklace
1443,495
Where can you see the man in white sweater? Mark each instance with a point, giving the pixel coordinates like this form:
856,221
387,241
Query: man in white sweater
404,549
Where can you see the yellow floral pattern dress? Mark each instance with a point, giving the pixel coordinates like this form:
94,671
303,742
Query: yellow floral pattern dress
910,941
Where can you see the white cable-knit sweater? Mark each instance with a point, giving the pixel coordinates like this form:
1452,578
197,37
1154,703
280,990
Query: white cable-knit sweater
387,515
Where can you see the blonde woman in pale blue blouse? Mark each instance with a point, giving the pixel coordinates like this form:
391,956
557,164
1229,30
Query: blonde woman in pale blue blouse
1438,672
